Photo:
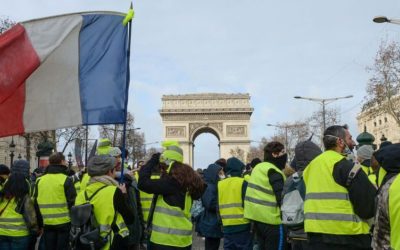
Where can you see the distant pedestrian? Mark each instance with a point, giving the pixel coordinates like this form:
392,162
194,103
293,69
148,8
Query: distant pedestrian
4,173
364,157
18,221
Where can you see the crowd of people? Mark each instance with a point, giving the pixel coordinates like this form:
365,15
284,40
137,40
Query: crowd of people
327,199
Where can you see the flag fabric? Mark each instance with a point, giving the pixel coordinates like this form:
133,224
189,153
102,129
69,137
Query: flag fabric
63,71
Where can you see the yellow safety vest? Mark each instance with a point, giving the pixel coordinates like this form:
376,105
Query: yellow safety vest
172,226
12,223
381,174
145,199
85,180
394,213
230,201
327,207
104,211
260,201
371,176
51,199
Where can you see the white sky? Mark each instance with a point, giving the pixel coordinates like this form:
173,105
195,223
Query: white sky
273,50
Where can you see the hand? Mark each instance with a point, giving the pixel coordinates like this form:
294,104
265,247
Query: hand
122,187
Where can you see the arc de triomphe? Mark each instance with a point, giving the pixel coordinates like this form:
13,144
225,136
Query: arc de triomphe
227,116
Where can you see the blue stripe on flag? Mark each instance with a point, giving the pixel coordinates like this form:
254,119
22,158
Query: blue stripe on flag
102,68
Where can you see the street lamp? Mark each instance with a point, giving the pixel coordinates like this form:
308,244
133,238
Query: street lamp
12,150
19,156
323,102
69,159
384,19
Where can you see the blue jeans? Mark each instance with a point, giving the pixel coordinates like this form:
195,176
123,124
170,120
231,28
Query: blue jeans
14,243
238,241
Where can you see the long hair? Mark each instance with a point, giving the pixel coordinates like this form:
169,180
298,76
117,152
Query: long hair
16,187
188,179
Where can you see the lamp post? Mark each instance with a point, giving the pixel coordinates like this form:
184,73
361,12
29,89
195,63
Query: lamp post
12,150
19,156
323,102
69,159
384,19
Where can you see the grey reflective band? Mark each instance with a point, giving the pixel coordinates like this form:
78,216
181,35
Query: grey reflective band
259,188
232,216
145,209
50,216
332,216
168,211
327,196
15,220
121,225
147,199
59,205
230,205
261,202
124,233
14,227
104,228
171,231
175,148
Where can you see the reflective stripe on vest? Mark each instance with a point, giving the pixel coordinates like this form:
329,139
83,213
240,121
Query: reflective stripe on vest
230,202
327,207
104,211
171,225
260,201
12,223
394,213
51,199
145,200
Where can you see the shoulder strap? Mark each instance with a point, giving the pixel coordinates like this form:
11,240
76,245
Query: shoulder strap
353,172
91,197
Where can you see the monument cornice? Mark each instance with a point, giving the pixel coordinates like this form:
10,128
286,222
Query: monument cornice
206,96
208,111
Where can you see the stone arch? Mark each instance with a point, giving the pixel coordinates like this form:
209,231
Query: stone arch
227,116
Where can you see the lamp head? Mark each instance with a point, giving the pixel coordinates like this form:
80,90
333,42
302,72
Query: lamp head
381,19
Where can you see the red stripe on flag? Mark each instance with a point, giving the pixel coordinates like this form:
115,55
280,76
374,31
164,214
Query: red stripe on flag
18,60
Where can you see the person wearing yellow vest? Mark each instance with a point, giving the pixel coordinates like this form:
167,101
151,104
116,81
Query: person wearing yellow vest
170,225
339,197
110,206
231,192
364,157
18,221
55,195
104,146
264,198
386,233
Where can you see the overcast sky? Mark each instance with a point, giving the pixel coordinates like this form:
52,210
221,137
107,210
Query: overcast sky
272,50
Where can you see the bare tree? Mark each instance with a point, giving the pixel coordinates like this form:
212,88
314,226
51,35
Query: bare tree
315,122
384,85
134,140
238,153
257,151
5,24
68,135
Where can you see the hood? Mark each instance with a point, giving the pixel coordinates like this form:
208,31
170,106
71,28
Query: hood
234,167
211,173
389,158
305,152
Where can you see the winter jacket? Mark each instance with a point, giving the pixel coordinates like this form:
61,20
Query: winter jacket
208,223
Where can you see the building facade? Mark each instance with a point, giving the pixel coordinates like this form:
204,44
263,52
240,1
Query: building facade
20,151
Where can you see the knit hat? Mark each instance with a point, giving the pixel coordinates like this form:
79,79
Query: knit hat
100,165
115,151
4,170
20,167
172,151
365,152
234,167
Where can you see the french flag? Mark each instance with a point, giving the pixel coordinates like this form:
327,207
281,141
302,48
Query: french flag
63,71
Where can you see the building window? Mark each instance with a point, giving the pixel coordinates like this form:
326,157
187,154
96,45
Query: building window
375,124
385,119
380,122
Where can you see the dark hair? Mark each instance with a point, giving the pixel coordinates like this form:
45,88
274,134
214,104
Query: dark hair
331,135
272,147
188,179
16,187
56,158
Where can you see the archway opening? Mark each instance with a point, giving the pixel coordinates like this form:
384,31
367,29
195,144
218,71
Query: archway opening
206,148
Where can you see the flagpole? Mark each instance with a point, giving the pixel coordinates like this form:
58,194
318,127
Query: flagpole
128,18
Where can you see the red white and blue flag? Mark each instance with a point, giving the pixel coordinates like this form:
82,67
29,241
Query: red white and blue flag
63,71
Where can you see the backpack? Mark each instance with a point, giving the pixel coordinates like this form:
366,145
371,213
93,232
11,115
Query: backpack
293,201
85,231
